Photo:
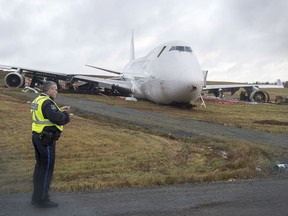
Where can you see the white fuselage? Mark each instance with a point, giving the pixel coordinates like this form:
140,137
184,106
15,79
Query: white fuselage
169,73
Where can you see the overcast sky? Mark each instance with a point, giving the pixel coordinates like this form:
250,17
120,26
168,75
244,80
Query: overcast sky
235,40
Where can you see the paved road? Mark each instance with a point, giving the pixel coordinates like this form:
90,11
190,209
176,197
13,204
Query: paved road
253,197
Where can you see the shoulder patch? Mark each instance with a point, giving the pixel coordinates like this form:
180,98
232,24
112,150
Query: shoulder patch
53,107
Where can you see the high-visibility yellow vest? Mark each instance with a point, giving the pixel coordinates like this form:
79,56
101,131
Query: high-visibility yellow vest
39,122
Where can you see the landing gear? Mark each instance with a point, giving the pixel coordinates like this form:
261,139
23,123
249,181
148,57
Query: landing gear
244,96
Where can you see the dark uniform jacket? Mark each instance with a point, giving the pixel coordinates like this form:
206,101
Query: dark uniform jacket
51,112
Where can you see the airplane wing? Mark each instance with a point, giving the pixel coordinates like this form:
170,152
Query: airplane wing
29,71
17,74
252,92
228,88
88,83
120,84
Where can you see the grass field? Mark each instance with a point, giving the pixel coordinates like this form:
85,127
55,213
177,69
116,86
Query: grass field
96,154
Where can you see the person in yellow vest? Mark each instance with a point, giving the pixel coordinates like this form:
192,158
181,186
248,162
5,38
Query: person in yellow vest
47,124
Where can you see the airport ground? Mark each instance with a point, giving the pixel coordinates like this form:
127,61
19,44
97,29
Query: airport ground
112,143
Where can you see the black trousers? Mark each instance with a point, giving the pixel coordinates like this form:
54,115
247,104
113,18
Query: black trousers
44,167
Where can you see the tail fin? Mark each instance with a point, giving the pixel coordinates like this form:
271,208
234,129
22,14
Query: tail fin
279,83
132,51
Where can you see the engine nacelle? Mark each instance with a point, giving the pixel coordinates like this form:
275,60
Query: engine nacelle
259,96
15,80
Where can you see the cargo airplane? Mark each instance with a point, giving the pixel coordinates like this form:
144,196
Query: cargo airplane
169,74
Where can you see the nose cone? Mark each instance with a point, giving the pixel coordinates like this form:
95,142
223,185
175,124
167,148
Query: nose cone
180,78
190,77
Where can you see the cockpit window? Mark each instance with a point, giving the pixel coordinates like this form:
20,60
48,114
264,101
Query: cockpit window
188,49
181,48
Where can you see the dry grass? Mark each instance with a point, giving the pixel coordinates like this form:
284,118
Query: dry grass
95,154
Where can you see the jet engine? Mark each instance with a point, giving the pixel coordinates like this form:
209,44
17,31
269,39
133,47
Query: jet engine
15,80
259,96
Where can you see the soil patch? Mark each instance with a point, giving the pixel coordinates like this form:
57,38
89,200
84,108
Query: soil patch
272,122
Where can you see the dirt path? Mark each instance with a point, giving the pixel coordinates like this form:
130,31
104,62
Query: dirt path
174,125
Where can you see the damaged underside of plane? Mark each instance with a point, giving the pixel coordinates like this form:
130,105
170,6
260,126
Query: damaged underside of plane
65,83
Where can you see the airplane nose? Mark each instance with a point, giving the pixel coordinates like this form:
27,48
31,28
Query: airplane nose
188,90
186,80
182,89
177,77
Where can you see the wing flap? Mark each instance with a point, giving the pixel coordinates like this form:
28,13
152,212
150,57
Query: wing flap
103,69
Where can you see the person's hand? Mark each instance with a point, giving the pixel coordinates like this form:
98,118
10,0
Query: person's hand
65,108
